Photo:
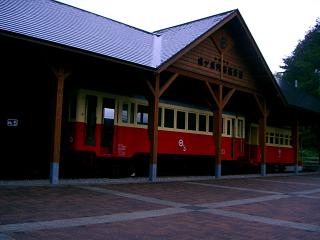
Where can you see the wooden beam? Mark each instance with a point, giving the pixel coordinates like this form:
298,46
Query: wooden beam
227,97
61,75
262,142
215,44
150,87
221,68
153,129
262,106
168,83
212,93
212,80
217,115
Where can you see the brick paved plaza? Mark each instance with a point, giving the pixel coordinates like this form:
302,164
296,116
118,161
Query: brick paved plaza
277,207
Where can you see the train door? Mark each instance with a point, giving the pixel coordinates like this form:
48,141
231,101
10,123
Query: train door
253,149
229,132
108,116
233,136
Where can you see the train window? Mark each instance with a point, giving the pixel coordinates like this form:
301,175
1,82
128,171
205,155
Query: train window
132,113
240,128
202,123
286,140
223,124
267,137
277,138
160,117
91,113
125,113
192,121
181,120
229,127
142,115
271,138
254,135
281,139
210,123
168,118
108,122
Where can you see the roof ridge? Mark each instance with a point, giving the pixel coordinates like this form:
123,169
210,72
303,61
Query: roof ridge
196,20
156,51
98,15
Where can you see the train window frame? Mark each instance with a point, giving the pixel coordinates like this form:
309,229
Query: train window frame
128,112
278,137
205,123
281,140
183,121
160,117
240,129
267,137
165,120
227,130
142,120
254,135
91,130
195,121
210,127
272,138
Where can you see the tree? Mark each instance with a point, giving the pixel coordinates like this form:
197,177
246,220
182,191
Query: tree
304,63
304,66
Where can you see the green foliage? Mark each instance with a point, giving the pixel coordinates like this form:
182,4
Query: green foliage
304,63
304,66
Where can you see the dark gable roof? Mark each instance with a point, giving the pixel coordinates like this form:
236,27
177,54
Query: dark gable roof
296,98
58,23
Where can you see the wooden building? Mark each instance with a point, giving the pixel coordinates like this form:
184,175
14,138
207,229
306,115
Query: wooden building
49,49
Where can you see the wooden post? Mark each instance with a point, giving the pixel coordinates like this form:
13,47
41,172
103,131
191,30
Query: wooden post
61,75
221,102
217,137
262,133
262,140
295,144
153,129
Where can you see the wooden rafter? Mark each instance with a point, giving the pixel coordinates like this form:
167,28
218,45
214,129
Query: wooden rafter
227,97
261,105
215,44
212,93
150,87
212,80
168,83
164,87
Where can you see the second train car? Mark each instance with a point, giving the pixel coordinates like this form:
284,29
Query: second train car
114,126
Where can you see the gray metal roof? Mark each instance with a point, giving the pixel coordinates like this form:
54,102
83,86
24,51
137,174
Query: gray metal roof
176,38
58,23
62,24
297,98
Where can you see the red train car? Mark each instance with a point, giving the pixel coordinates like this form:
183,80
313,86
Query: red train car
279,150
113,126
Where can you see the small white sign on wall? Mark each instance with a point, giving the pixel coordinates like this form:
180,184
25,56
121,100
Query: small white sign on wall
12,122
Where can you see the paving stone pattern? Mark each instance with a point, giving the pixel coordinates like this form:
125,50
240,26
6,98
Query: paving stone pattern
275,207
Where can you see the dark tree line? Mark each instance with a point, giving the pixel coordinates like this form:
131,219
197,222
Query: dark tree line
303,66
304,63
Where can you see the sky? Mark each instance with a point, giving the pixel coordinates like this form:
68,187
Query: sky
276,25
